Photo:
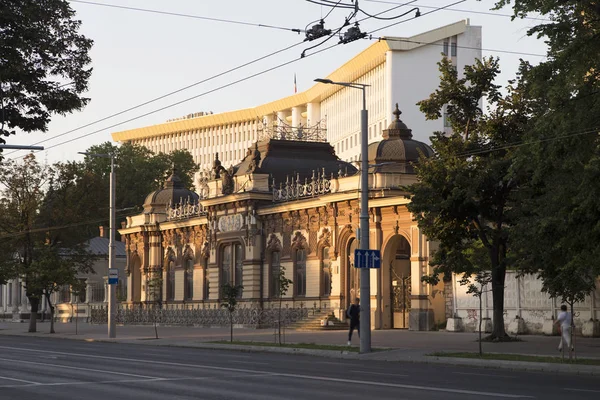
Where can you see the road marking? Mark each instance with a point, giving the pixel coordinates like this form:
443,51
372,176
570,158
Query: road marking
583,390
298,376
79,368
477,374
378,373
19,380
250,362
194,378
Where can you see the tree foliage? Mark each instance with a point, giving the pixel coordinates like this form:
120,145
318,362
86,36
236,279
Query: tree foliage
557,230
43,64
230,295
463,199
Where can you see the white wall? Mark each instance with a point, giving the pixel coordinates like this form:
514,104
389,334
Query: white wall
522,297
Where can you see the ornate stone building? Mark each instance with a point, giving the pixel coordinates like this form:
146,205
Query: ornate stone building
290,203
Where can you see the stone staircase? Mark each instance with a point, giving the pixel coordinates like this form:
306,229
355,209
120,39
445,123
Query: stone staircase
313,322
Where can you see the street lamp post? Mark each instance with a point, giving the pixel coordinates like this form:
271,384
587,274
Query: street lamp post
365,273
112,288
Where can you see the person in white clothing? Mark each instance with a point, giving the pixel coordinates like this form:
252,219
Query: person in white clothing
564,325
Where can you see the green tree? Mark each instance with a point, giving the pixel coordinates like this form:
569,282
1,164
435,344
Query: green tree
283,285
154,285
229,301
44,64
51,269
21,186
464,195
556,232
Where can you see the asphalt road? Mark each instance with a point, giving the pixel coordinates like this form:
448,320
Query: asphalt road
40,368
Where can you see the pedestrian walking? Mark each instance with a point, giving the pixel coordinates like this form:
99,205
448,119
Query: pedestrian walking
353,313
564,325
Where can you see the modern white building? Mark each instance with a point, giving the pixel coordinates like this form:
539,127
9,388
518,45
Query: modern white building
398,70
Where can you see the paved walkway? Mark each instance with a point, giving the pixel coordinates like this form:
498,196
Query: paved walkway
407,344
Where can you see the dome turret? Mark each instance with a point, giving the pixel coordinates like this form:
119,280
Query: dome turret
173,191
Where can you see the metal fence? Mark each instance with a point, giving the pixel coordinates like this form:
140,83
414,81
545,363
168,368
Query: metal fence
141,314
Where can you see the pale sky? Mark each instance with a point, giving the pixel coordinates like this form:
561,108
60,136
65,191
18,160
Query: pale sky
138,56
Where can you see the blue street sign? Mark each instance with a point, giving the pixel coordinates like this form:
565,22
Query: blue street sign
113,276
367,258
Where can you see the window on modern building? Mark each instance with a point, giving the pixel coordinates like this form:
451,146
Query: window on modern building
275,268
445,49
171,281
325,272
188,279
453,50
232,265
300,275
447,121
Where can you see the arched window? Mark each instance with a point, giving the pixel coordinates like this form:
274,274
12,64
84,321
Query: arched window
300,275
231,265
171,282
325,272
188,279
275,268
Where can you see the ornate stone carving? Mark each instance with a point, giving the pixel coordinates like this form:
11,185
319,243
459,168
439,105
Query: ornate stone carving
325,238
299,241
255,159
227,181
274,244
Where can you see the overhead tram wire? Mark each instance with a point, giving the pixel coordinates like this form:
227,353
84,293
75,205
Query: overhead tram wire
460,47
204,93
495,14
174,14
170,94
175,91
167,94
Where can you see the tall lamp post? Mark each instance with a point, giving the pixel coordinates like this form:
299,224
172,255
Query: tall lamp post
112,291
365,273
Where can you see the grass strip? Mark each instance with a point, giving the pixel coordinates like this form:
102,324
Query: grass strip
519,357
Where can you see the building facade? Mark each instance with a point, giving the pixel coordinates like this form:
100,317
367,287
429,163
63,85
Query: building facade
14,304
394,67
290,204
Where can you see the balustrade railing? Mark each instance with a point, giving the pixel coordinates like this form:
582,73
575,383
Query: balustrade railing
294,188
142,314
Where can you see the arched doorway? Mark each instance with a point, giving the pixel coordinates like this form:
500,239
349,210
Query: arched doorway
396,283
353,274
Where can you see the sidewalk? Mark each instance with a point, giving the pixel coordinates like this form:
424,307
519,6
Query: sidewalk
402,345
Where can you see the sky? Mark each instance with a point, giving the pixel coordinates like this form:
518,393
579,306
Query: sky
139,56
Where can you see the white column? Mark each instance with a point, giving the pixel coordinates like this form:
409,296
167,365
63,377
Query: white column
15,295
24,301
313,113
88,291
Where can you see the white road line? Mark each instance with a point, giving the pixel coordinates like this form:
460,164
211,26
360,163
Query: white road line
205,378
19,380
477,374
78,368
582,390
403,386
298,376
250,362
378,373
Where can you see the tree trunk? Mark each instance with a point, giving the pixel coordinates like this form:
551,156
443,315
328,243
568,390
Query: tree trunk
498,278
51,313
231,327
35,303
